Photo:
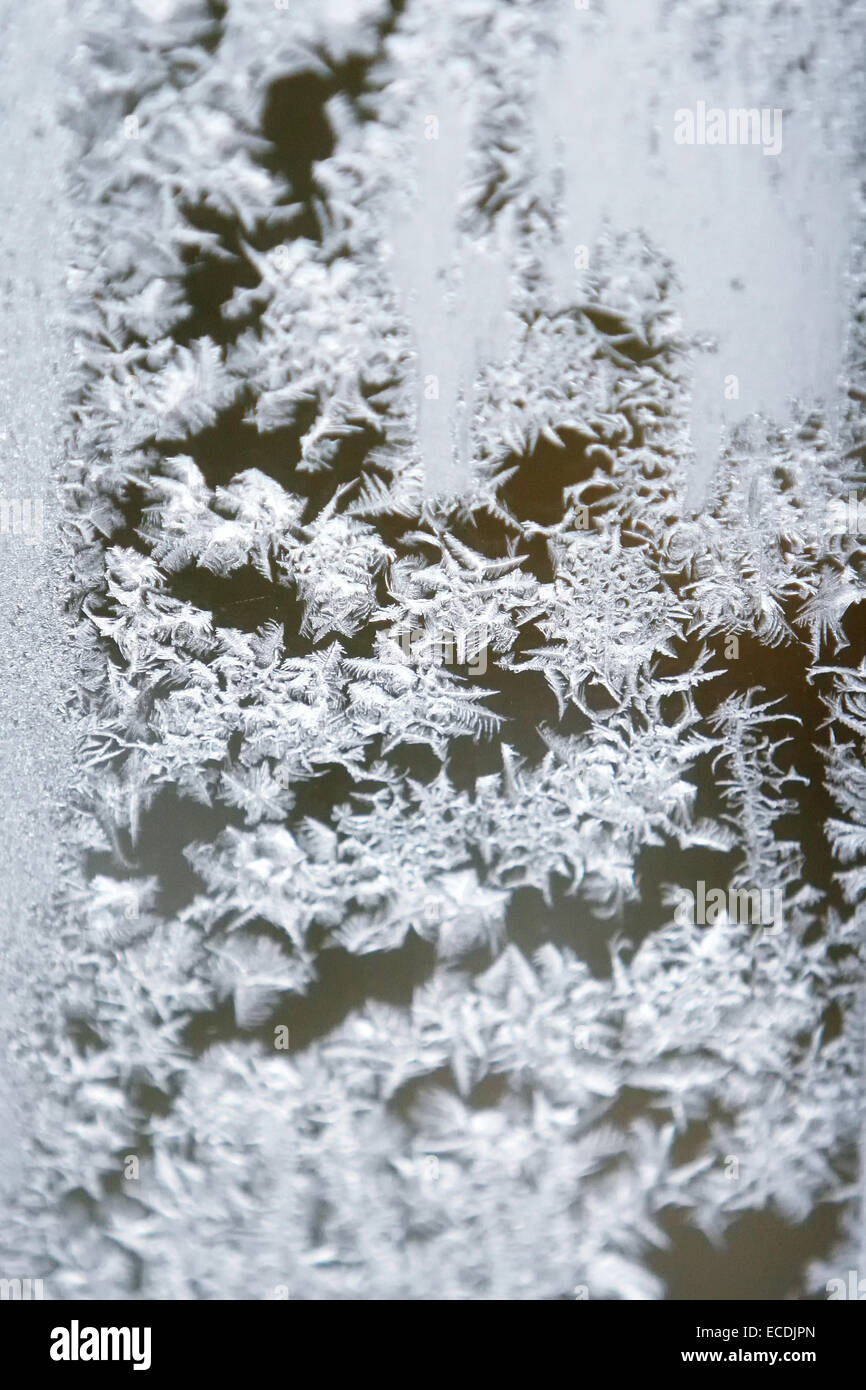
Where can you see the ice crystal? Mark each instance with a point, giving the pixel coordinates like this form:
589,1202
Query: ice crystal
508,1065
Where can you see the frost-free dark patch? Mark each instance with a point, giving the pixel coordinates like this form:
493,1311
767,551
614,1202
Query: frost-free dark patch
233,443
762,1257
535,491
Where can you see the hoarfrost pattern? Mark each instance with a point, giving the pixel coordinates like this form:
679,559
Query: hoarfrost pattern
378,853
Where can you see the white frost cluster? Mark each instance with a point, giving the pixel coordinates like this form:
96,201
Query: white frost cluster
370,808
